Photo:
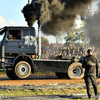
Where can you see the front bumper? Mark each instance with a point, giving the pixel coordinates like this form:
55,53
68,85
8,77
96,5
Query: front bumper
5,63
2,65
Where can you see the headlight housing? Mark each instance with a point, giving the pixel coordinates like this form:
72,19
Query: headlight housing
2,60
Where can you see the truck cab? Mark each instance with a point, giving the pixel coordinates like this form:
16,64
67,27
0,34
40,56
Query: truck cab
18,40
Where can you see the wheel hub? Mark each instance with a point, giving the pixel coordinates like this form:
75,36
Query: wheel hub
22,70
76,71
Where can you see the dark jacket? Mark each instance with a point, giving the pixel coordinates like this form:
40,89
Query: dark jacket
90,64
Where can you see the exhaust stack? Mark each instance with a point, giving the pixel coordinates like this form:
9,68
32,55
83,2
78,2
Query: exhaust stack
39,40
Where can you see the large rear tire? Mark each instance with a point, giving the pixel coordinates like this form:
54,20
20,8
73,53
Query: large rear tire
75,71
22,69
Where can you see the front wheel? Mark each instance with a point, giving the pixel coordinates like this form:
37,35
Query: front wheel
11,74
22,69
75,71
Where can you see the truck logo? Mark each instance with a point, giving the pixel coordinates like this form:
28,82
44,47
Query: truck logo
30,40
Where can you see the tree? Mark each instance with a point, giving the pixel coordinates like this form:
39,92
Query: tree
75,36
43,40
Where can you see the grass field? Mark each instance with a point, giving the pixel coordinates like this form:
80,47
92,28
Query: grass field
34,92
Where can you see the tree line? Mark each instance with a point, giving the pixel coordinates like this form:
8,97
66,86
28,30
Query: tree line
75,36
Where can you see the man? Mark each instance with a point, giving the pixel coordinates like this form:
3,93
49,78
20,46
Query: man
18,36
90,64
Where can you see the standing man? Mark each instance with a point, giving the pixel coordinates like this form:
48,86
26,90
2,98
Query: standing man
90,64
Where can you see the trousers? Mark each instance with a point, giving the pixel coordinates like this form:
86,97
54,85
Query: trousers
88,80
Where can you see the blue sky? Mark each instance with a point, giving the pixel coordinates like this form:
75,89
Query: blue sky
10,10
11,15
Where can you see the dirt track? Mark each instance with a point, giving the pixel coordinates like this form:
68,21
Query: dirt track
39,80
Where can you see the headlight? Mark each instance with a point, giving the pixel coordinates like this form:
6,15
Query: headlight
2,60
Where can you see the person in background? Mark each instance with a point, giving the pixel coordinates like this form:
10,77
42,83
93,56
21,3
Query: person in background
81,56
90,64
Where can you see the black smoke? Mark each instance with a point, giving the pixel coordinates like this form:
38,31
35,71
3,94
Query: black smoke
93,28
29,13
55,16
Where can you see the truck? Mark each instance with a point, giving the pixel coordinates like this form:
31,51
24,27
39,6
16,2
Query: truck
19,56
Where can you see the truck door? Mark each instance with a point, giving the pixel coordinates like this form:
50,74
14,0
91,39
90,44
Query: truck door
13,41
29,41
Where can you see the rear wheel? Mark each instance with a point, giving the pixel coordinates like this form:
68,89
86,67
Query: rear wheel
75,71
22,69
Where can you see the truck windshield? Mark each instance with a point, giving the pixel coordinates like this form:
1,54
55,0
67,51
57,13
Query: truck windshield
1,37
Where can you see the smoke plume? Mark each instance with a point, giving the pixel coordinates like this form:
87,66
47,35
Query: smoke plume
55,16
30,14
93,28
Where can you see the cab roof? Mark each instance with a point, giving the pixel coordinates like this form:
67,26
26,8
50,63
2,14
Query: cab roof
2,30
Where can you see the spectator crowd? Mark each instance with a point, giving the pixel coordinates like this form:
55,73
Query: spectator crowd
48,52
